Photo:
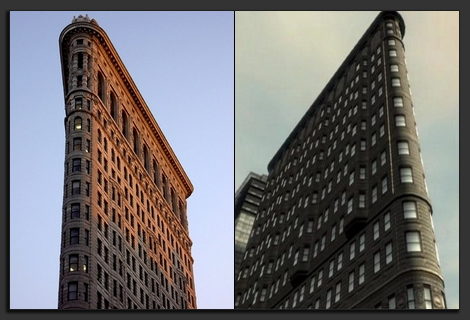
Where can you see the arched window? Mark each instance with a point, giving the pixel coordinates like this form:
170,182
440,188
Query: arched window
125,125
135,136
113,107
80,60
146,159
101,88
77,123
156,173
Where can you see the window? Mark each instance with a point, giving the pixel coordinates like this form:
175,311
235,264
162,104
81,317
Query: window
388,253
350,204
77,144
382,130
400,121
73,262
362,200
391,42
406,175
74,234
413,242
331,268
339,263
376,230
76,165
362,242
410,210
398,102
410,297
391,302
374,166
427,297
377,262
76,187
351,281
338,292
73,290
362,270
75,210
384,185
387,221
374,194
77,123
320,278
403,148
362,173
392,53
78,105
394,68
328,298
396,82
352,250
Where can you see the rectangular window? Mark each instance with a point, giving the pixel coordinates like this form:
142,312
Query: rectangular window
392,53
338,292
76,165
413,242
362,270
377,262
352,250
339,263
400,121
394,68
350,204
351,282
376,230
406,175
410,297
362,242
396,82
398,102
77,144
427,298
75,210
388,253
328,298
403,148
72,290
73,262
384,185
391,302
387,221
374,194
362,200
410,210
74,235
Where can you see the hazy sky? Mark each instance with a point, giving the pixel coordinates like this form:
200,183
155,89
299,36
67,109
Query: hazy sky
283,60
182,64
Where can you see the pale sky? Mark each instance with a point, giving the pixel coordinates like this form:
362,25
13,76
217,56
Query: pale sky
182,64
283,60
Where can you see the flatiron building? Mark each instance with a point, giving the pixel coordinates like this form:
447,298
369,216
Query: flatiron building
125,238
345,219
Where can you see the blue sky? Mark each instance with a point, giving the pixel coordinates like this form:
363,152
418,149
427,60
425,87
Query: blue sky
284,59
182,64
